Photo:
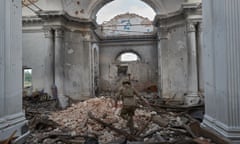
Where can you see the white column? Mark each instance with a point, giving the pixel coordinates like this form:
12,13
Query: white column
162,62
2,56
192,96
11,115
200,59
48,78
221,35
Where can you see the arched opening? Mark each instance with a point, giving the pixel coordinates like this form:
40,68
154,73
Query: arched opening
123,60
123,25
125,18
128,57
116,7
156,6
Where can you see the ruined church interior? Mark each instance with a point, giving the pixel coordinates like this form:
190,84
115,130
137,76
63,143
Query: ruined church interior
64,65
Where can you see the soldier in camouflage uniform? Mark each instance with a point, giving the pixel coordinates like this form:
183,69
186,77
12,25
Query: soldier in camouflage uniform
128,96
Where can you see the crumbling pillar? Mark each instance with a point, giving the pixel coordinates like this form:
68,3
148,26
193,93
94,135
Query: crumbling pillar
59,61
222,67
11,114
48,77
162,62
192,96
200,59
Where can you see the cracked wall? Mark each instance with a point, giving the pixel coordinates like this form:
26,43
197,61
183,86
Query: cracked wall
175,64
143,72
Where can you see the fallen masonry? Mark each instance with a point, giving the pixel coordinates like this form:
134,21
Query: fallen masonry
97,120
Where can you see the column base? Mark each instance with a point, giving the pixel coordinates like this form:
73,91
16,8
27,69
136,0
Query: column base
63,101
192,99
11,123
231,133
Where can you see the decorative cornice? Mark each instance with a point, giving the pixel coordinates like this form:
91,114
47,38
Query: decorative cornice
165,19
163,33
48,33
59,32
171,20
31,19
188,12
49,15
63,17
195,5
128,38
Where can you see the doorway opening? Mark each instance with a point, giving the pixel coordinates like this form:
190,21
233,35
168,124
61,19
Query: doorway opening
27,77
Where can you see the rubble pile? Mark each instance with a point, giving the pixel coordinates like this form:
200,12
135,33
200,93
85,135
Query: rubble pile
76,118
98,119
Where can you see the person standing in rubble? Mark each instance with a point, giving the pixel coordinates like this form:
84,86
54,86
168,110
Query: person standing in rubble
127,94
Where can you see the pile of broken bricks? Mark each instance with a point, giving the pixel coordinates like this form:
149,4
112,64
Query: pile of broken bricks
97,120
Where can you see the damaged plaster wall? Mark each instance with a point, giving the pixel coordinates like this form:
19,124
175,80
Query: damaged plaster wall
127,33
175,64
79,66
76,61
38,57
125,25
143,72
77,71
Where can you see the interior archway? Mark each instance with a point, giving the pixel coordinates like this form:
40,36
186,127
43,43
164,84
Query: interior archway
119,7
101,3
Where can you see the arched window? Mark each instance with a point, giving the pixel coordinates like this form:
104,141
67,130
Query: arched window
128,57
117,7
124,59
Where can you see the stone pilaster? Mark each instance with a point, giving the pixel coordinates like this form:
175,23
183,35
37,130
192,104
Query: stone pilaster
200,59
222,52
162,53
192,96
11,115
58,66
48,78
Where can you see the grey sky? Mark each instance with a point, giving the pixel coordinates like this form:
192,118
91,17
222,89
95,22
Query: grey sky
123,6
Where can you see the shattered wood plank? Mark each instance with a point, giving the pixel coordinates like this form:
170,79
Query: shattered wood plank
189,130
178,130
178,107
160,121
200,131
62,136
144,127
119,131
151,133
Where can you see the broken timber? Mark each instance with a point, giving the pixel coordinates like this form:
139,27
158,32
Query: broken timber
119,131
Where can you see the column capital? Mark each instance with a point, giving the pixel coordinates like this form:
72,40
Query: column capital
191,27
48,33
59,32
200,27
163,33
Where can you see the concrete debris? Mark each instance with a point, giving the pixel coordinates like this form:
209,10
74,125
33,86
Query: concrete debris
97,120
